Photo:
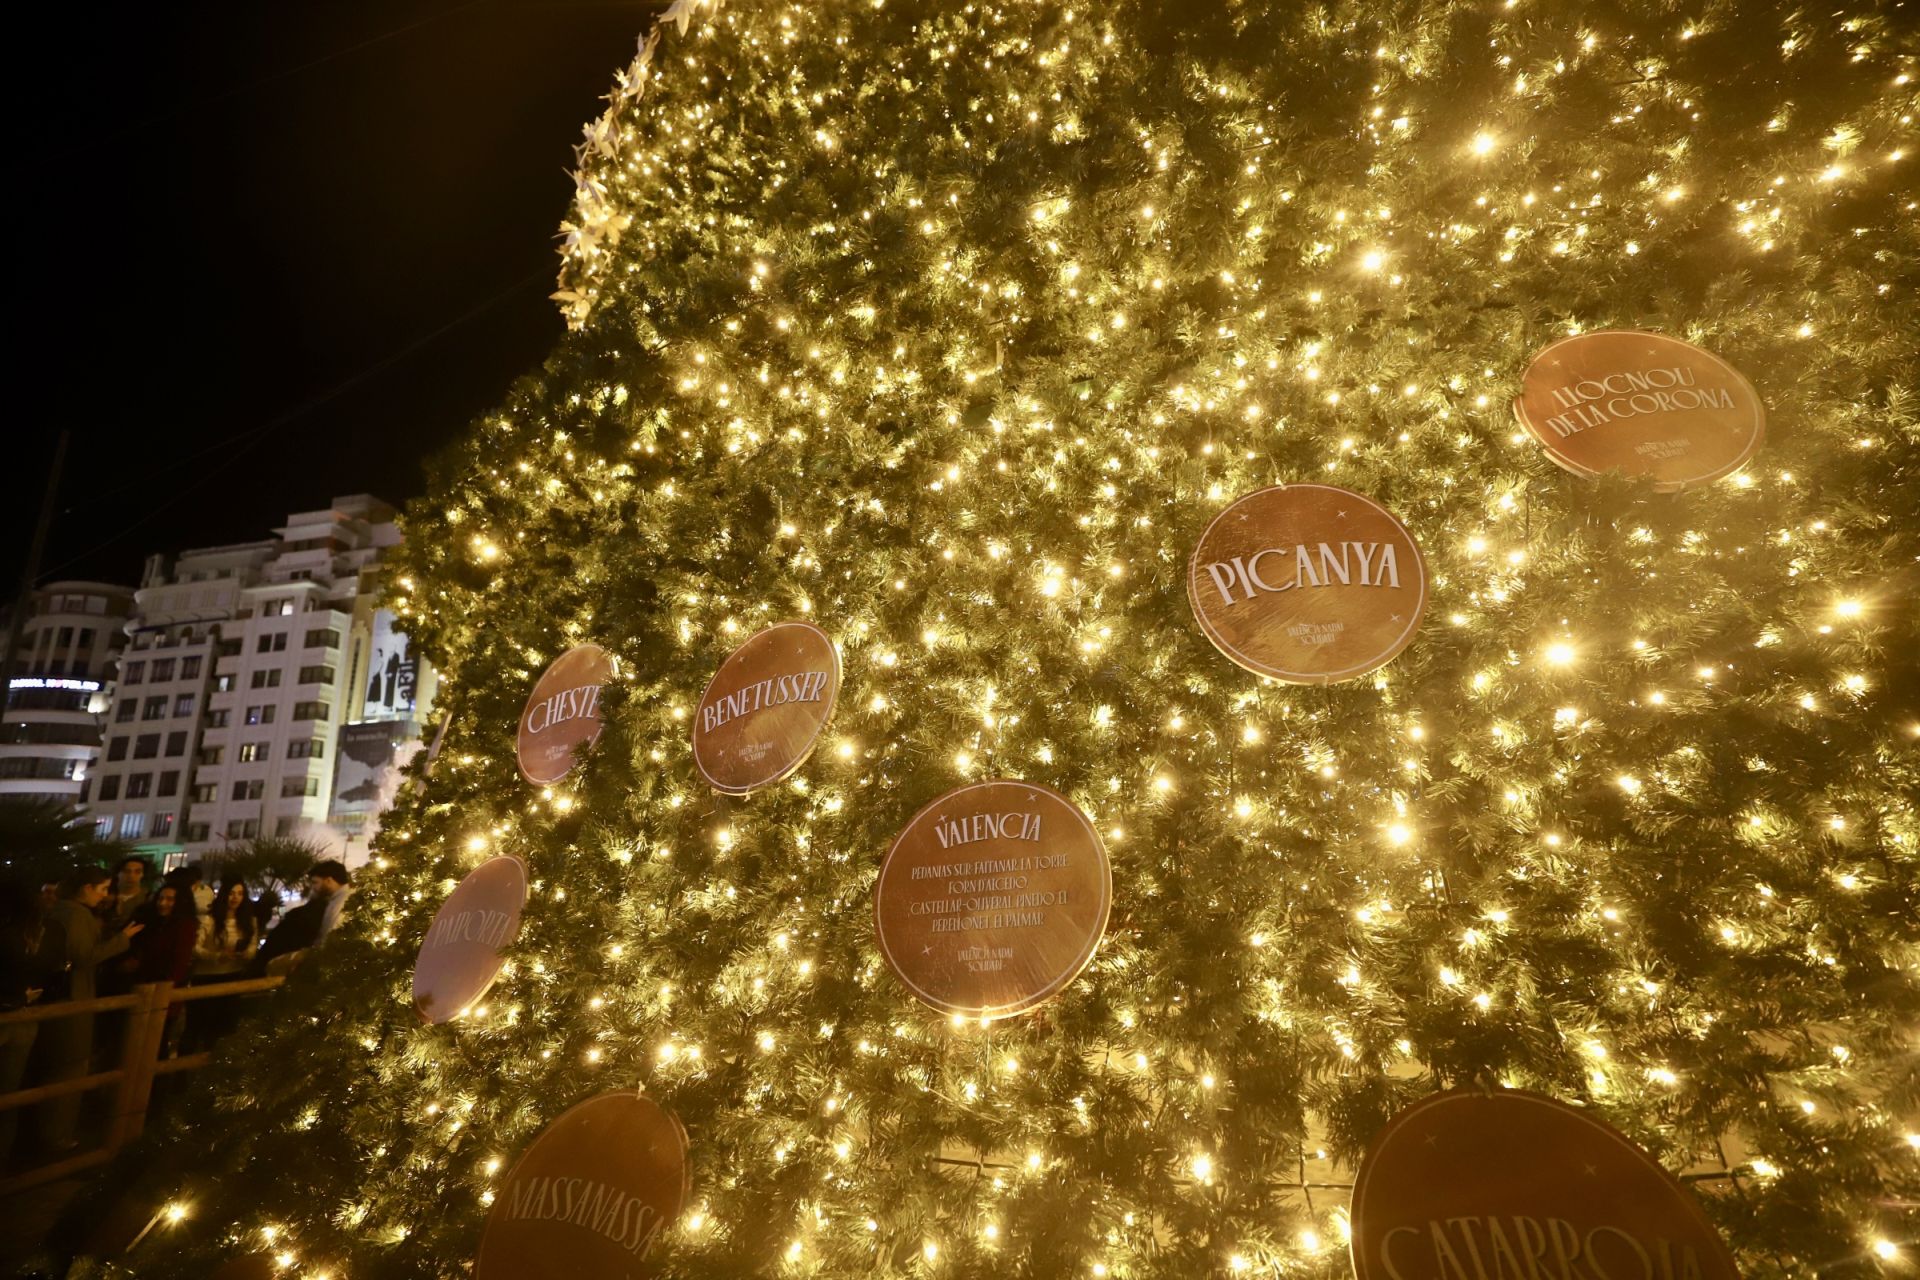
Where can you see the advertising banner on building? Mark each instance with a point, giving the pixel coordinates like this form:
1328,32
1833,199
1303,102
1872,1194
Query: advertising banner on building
368,761
391,671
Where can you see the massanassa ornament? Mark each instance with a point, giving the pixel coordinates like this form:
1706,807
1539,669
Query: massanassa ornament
1307,583
460,956
992,898
563,714
590,1196
763,711
1649,406
1514,1186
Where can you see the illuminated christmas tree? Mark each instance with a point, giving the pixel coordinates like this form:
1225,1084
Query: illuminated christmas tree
949,329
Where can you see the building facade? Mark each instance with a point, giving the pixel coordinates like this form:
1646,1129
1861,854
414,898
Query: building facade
243,664
56,700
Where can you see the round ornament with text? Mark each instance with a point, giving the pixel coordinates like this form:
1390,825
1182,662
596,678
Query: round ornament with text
563,714
993,898
1307,583
1649,406
590,1195
764,709
1511,1185
460,956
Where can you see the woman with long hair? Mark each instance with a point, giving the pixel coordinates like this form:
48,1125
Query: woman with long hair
229,932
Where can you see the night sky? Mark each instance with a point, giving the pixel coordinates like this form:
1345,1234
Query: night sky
281,252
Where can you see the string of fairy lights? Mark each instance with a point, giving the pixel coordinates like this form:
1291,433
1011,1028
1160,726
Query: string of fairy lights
990,402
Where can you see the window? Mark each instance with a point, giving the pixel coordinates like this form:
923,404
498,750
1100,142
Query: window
268,679
162,669
281,608
134,673
252,751
162,825
190,666
103,828
183,705
146,746
261,714
133,826
86,633
250,789
323,638
110,787
229,648
205,792
271,644
299,787
196,832
307,749
223,683
285,826
218,718
139,786
212,755
127,710
117,749
177,743
312,711
316,675
169,783
156,708
243,828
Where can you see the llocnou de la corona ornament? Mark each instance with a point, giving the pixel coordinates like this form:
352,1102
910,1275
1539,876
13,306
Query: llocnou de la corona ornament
1511,1185
1646,405
1307,583
993,898
590,1196
764,709
563,714
461,953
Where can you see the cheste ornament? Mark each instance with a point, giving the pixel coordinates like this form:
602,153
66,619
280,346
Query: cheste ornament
993,898
590,1196
763,711
461,954
563,714
1515,1186
1646,405
1307,583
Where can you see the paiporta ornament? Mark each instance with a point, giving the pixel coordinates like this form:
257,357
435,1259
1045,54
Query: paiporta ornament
460,956
1643,404
764,709
1307,583
1510,1185
992,898
563,713
590,1196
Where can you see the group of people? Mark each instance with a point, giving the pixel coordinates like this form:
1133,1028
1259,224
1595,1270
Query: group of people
100,933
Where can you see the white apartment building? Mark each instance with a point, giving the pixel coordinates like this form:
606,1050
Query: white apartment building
244,663
55,703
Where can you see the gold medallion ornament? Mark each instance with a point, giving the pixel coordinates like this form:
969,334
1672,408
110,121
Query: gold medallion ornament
563,714
1649,406
1307,583
1515,1186
590,1196
993,898
763,711
460,956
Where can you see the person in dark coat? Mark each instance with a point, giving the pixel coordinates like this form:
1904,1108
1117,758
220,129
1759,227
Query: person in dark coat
305,925
74,946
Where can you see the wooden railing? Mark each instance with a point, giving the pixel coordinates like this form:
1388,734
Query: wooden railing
140,1061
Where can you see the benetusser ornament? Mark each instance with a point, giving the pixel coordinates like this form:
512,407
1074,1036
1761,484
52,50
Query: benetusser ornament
460,956
1515,1186
1644,404
563,714
992,898
1307,583
763,711
590,1196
